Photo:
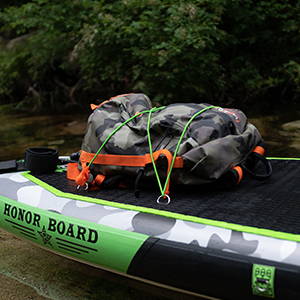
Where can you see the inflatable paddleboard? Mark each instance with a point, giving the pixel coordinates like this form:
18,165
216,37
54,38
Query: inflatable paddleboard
242,243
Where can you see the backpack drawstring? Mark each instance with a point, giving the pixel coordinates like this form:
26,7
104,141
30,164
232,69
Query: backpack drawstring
171,158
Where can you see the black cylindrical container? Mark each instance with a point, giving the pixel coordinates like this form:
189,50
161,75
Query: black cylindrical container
41,160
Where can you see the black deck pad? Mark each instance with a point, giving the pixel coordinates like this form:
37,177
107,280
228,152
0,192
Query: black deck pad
271,204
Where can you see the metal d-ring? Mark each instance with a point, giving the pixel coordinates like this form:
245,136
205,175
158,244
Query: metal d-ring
86,186
166,202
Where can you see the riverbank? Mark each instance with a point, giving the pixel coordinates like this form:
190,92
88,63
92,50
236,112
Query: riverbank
28,272
14,290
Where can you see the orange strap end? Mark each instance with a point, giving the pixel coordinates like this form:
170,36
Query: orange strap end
99,179
93,106
72,171
259,150
239,172
83,177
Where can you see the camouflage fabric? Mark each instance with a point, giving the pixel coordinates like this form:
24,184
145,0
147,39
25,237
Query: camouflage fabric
217,140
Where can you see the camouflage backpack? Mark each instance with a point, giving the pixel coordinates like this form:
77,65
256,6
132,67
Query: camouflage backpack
189,144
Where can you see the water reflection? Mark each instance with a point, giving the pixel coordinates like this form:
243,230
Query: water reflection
281,132
18,132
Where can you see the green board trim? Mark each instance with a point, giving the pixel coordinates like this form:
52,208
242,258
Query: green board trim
222,224
283,158
263,278
86,241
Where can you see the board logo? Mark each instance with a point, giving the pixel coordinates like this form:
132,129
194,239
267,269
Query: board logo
45,236
75,231
60,228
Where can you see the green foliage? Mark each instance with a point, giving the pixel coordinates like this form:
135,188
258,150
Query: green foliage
264,39
167,49
42,35
219,51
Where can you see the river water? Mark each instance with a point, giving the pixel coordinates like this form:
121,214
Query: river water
281,132
28,272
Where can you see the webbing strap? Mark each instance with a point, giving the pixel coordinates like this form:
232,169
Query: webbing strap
125,160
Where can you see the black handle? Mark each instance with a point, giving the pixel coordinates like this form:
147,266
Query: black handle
252,161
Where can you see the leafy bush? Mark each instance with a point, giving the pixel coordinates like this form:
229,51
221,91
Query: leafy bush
264,39
42,36
167,49
219,51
